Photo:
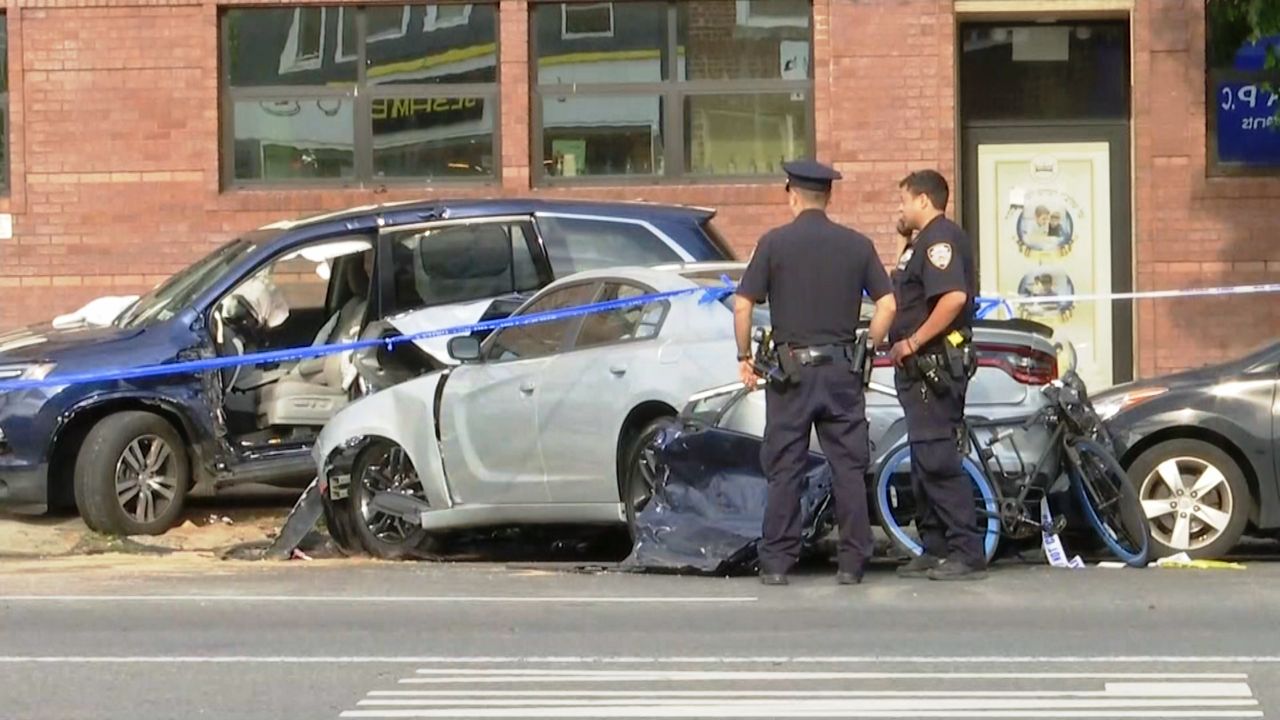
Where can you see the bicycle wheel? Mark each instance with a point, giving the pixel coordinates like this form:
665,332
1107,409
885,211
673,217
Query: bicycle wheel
1110,503
896,507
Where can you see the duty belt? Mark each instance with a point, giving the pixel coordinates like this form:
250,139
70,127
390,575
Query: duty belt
819,354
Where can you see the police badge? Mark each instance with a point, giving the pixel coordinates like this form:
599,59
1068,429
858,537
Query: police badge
940,255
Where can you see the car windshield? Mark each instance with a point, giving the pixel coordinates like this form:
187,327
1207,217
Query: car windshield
174,294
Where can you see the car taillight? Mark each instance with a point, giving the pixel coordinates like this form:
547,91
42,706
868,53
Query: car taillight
1026,365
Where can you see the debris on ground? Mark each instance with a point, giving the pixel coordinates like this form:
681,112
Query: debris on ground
1182,560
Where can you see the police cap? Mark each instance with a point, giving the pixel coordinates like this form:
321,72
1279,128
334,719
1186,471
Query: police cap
810,175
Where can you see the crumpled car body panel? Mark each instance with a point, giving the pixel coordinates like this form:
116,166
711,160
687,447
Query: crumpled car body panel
709,499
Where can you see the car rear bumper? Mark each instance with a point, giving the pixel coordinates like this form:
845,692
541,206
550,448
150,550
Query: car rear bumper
24,488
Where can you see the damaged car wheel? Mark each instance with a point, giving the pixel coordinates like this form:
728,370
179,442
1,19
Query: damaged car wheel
385,488
638,481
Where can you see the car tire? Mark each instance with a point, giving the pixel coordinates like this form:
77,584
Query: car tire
384,536
132,475
637,489
1195,462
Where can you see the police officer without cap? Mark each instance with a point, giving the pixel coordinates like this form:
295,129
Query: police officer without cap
935,285
813,273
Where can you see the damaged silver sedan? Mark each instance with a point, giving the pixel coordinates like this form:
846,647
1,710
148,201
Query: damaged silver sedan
537,422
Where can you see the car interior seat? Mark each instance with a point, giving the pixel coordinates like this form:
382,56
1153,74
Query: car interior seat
462,264
314,389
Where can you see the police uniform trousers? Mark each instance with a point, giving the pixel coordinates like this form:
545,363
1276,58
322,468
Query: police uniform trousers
829,397
946,512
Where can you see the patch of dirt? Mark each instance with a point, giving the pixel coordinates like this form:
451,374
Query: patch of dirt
209,526
40,537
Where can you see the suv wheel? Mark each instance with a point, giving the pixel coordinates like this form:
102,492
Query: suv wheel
132,475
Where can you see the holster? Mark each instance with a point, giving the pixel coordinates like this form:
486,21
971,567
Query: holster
962,361
861,359
789,365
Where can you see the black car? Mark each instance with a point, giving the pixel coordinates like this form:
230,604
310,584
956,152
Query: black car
1201,446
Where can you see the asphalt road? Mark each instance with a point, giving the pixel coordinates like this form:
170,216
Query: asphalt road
471,640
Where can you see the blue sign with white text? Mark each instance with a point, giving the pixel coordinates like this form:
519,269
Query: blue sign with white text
1247,128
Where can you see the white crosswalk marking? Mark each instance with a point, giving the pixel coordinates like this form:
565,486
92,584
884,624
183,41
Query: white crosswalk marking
692,690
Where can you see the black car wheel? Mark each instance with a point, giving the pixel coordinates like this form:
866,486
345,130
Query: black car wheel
132,475
1194,496
638,480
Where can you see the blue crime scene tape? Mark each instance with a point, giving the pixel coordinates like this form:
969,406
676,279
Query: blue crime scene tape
985,306
710,294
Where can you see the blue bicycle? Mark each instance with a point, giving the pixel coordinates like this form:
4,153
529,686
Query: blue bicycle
1009,507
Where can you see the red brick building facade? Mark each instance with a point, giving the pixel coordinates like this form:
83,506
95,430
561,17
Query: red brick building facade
115,154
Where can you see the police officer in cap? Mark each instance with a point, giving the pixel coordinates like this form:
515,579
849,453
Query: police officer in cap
813,273
935,285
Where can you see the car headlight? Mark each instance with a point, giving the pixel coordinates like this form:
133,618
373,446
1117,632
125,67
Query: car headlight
26,371
1108,407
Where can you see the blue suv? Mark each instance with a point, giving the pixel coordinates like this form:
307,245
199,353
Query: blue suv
127,452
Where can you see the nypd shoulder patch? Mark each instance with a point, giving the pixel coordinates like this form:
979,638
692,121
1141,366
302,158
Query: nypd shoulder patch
940,255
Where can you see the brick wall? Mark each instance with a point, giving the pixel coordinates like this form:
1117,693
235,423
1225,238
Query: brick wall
114,137
1192,230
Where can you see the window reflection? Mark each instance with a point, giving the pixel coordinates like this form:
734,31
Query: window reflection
735,78
748,39
597,43
293,139
602,135
432,137
292,74
744,134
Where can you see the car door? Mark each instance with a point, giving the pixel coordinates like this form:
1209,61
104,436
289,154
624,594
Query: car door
488,417
586,395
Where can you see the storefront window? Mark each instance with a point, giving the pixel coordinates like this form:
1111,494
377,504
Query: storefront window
356,96
1244,108
654,90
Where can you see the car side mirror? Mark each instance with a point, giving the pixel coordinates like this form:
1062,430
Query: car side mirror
464,348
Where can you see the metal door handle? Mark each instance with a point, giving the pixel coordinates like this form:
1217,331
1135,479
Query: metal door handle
527,388
618,370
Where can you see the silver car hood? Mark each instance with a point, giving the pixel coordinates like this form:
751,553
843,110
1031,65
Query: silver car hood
438,318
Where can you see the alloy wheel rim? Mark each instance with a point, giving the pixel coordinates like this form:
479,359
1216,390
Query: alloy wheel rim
393,472
146,478
1188,503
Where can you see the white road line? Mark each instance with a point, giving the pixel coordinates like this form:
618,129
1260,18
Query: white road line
903,703
376,599
461,675
834,660
1183,689
1156,690
734,711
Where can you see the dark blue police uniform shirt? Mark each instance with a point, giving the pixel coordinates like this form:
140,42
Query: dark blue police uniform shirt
938,261
813,272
